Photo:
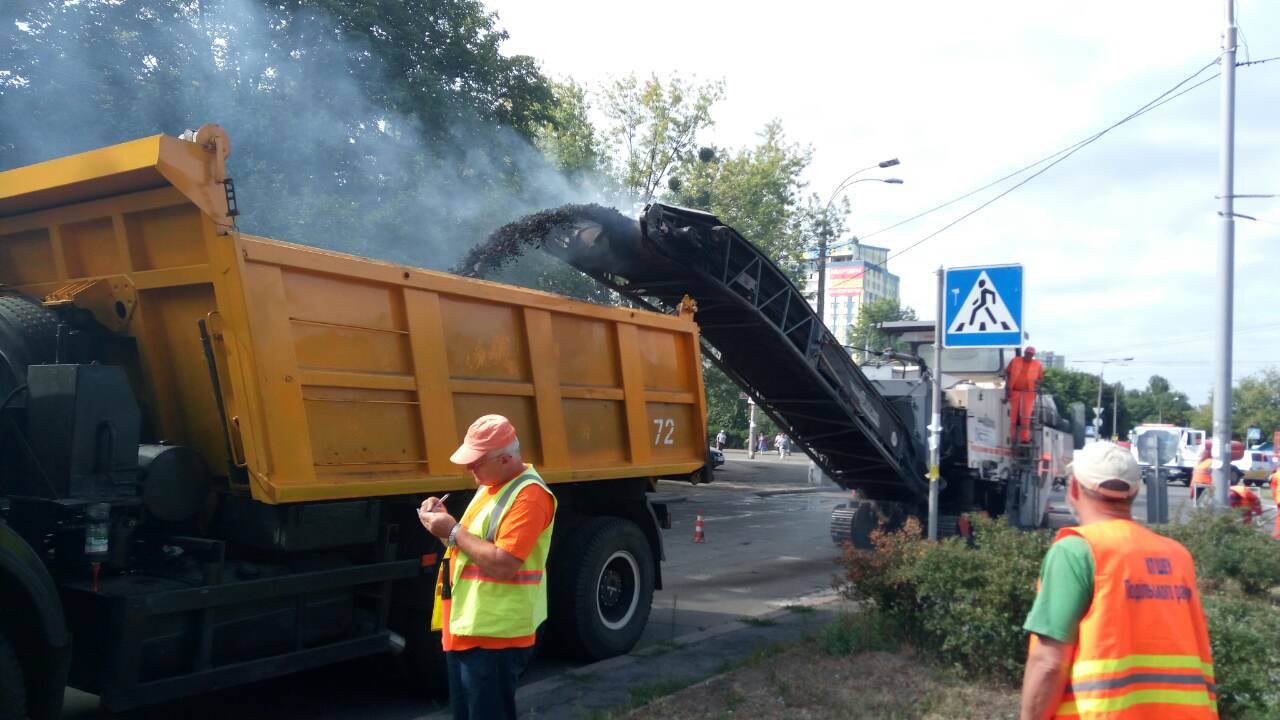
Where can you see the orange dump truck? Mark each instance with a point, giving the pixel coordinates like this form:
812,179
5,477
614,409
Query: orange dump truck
212,444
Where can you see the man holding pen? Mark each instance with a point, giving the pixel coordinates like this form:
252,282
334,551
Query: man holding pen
491,594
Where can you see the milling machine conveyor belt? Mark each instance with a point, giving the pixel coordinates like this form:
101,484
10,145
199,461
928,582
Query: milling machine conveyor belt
762,333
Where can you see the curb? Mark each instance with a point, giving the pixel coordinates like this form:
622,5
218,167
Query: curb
797,491
683,641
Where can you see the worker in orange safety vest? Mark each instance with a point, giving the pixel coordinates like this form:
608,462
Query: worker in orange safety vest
1247,501
1275,496
1117,630
1022,382
1202,475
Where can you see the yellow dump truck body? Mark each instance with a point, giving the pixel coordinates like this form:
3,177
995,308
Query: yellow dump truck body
340,377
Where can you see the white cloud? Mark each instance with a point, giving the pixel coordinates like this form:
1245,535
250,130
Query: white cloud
1119,240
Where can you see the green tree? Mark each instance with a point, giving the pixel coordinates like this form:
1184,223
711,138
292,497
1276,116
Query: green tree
387,128
1158,403
654,126
867,333
567,136
1073,386
756,190
1255,402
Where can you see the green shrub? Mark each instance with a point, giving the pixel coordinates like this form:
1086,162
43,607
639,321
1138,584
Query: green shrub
964,605
1245,635
965,608
1228,553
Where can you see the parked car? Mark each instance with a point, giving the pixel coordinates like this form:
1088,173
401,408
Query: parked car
1255,467
715,457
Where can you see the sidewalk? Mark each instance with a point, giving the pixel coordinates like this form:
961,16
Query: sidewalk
629,680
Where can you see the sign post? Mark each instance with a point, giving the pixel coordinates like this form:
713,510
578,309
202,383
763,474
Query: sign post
977,307
935,424
1157,447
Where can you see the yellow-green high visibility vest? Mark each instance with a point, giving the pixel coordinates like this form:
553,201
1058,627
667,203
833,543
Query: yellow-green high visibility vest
483,606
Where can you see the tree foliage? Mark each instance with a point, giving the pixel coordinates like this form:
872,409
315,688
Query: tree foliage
1255,402
654,126
1158,403
866,332
388,128
756,190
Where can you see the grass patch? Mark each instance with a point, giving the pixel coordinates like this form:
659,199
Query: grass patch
864,632
758,621
800,681
642,695
800,609
658,648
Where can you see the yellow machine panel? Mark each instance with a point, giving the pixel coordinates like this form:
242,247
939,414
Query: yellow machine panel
340,377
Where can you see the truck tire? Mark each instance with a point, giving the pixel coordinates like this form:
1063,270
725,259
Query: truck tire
601,594
13,688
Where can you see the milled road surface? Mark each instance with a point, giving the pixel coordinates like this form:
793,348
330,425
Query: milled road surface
767,546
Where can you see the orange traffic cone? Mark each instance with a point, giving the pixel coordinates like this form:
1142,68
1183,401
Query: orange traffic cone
698,535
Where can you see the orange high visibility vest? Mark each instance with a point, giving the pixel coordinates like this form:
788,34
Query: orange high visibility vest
1143,645
1024,373
1203,474
1275,486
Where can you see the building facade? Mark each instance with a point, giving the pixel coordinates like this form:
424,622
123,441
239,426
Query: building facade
856,275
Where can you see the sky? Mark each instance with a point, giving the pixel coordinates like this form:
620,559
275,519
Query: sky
1119,241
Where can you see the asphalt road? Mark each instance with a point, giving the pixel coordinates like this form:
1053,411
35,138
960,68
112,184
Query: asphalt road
767,546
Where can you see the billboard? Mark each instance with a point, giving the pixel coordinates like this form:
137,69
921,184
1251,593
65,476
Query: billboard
845,279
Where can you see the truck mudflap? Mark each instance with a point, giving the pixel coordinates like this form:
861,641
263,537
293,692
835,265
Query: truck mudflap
31,614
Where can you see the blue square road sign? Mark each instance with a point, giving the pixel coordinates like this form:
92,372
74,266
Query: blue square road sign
983,307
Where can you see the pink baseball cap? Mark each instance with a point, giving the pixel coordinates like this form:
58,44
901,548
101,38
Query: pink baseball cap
486,434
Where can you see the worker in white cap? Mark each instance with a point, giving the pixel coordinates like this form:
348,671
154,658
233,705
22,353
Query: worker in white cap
1117,630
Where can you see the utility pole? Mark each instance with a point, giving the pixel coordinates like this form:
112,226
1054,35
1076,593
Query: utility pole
751,430
1226,268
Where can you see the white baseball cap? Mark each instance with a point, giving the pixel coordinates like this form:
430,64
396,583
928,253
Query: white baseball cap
1101,461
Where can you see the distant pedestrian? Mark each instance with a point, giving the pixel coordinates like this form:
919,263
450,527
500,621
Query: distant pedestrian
786,446
721,439
1117,628
764,445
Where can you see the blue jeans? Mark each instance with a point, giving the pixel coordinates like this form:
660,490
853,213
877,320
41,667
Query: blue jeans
482,683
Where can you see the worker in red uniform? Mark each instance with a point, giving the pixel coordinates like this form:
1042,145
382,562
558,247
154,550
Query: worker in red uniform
1022,383
1247,502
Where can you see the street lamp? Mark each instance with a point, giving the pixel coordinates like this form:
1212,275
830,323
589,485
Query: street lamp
822,238
1115,410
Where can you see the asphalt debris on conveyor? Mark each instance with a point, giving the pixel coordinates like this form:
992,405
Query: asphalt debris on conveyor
509,242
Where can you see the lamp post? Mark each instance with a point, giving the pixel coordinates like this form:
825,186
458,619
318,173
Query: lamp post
823,235
1115,411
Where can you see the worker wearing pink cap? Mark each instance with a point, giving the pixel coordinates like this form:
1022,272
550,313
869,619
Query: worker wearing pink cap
491,594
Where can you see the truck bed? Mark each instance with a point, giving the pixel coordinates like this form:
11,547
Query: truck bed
340,377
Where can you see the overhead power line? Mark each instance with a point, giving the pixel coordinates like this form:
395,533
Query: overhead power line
1167,96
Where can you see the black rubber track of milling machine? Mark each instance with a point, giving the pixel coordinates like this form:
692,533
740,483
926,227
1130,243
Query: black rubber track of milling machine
760,331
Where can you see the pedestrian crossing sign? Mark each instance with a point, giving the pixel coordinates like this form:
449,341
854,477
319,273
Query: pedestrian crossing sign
983,307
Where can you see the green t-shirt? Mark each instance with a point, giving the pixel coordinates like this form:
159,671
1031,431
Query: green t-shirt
1066,589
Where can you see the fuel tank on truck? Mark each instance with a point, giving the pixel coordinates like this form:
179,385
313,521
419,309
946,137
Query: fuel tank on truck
325,376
